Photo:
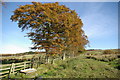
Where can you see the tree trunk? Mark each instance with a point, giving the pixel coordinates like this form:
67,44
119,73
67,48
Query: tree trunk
73,54
47,59
63,56
52,61
69,55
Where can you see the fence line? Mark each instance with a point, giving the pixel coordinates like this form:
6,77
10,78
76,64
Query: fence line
7,69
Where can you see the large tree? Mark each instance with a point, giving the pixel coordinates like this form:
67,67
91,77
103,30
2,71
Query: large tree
52,27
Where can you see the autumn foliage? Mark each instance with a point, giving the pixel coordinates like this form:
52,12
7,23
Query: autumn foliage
52,27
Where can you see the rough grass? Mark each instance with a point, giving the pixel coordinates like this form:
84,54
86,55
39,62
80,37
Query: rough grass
18,58
115,63
104,57
78,67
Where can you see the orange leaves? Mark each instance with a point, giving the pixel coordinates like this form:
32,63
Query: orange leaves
54,26
48,20
32,22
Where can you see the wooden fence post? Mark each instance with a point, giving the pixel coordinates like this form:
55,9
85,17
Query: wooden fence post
12,68
24,65
9,69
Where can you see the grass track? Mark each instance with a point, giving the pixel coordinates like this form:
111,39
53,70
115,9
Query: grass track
78,67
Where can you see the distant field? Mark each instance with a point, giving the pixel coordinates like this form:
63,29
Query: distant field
10,58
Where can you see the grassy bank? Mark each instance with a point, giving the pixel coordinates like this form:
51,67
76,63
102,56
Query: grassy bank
79,67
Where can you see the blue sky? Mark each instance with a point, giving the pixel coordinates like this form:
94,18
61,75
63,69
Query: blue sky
100,21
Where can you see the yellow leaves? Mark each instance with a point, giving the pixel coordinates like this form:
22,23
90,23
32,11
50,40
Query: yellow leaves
32,22
56,35
56,24
36,3
54,43
48,20
19,9
33,15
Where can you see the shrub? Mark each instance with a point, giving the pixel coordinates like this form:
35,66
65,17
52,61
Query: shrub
108,52
117,52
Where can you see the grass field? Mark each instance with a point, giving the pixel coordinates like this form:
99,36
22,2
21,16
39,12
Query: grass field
8,59
78,67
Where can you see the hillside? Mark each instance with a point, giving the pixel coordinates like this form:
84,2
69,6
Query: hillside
79,67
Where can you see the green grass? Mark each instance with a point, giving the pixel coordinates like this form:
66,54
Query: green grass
115,63
79,67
